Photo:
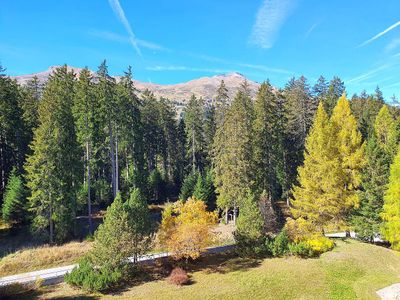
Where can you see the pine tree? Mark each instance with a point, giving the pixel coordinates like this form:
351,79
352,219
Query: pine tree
221,103
210,127
320,89
85,114
157,185
139,223
105,94
14,206
30,104
375,177
391,213
131,128
151,131
113,238
14,136
53,169
194,120
233,154
250,227
267,143
188,186
299,109
335,90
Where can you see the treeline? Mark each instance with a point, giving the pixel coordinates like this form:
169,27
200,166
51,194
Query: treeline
82,139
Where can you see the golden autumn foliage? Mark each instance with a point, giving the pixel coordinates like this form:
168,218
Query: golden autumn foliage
391,208
331,174
186,228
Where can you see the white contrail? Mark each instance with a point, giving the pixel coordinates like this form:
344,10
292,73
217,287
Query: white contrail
379,34
119,12
270,17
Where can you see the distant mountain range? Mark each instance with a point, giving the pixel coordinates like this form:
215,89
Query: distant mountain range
205,87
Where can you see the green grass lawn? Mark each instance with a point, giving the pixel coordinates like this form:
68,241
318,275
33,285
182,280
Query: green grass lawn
353,270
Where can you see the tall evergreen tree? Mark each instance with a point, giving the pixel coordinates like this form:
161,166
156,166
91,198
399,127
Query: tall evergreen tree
375,177
14,206
299,111
267,143
131,129
335,90
105,93
221,103
84,113
194,120
233,154
53,169
14,136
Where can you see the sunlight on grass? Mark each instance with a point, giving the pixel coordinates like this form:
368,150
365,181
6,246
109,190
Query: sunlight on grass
352,271
33,259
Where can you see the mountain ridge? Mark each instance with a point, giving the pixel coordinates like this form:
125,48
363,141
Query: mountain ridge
205,87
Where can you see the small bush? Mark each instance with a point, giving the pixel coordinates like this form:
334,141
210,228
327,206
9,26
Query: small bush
301,249
90,278
249,247
320,244
280,244
178,276
313,247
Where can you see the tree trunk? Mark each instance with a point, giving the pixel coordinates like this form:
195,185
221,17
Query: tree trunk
112,157
51,224
193,153
226,215
89,203
116,166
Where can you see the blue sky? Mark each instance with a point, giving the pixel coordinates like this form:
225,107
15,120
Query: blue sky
178,40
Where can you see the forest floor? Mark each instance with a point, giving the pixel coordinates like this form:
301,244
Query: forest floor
353,270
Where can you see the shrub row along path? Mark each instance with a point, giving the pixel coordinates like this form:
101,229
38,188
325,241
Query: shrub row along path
56,275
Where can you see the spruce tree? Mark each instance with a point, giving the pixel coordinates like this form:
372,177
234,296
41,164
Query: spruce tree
221,103
299,110
267,143
335,90
14,204
139,223
250,227
107,109
131,133
113,239
391,213
375,177
232,160
14,134
54,169
84,115
188,186
194,120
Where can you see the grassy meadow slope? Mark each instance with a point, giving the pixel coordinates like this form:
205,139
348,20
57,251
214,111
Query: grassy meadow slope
353,270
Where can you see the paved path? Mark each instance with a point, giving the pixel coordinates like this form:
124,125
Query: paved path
391,292
56,275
